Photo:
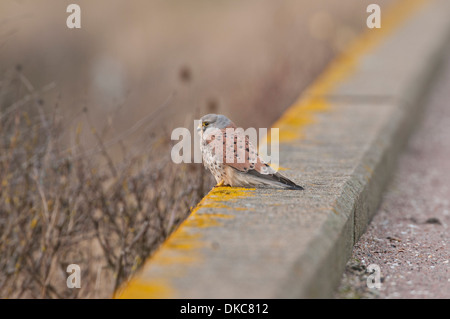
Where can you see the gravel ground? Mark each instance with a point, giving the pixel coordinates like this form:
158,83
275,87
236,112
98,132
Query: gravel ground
408,237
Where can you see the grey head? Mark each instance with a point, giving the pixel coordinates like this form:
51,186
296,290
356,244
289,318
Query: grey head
214,121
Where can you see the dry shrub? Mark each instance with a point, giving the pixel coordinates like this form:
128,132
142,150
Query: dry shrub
61,206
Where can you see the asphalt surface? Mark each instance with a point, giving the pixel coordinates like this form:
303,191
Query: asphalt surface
408,238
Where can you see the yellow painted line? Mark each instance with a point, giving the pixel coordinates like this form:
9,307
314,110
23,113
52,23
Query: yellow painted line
302,113
183,247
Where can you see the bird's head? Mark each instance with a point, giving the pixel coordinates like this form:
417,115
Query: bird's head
211,122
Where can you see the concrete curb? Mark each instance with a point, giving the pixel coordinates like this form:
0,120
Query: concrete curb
341,141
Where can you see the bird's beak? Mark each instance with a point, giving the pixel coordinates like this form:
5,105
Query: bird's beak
199,128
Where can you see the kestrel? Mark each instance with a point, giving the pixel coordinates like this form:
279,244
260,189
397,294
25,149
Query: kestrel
232,159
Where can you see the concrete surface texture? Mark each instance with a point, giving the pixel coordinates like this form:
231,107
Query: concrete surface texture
341,141
408,238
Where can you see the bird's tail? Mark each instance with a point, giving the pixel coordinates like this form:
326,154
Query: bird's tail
276,179
287,182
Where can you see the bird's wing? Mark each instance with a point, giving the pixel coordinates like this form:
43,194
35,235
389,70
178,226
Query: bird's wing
240,154
234,149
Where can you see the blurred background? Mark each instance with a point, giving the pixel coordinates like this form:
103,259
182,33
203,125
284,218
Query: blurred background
86,116
236,56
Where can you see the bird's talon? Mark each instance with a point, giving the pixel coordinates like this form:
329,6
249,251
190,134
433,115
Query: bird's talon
221,183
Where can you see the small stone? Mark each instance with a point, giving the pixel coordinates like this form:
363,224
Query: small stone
433,220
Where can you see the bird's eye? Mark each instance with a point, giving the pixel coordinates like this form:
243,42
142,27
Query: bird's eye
205,124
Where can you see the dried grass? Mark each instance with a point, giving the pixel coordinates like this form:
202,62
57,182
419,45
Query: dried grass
64,205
